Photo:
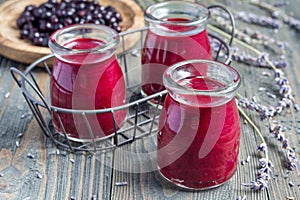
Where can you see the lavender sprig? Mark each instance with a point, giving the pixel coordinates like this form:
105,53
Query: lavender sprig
280,4
292,23
264,170
277,13
267,112
277,131
259,61
265,165
266,40
285,90
252,18
287,100
247,35
282,81
241,56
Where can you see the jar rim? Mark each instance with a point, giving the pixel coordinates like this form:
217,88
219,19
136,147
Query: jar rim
150,12
109,44
171,84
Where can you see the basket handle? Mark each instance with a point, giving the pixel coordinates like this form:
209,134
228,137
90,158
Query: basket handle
231,18
21,83
14,71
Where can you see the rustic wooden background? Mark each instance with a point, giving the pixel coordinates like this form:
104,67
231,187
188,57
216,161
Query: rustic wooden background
81,176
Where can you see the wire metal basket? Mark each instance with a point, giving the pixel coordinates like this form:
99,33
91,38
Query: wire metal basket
141,119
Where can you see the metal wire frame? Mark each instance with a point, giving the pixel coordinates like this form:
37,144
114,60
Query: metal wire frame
141,119
232,21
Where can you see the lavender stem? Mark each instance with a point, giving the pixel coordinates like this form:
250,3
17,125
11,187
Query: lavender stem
252,124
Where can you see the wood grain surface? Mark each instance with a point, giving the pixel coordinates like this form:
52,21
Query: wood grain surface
67,175
24,51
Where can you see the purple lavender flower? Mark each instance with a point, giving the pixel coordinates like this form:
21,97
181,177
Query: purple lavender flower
292,23
259,61
252,18
262,147
275,128
277,131
285,90
264,170
253,185
280,4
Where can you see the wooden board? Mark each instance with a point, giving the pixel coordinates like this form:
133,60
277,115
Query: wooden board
11,46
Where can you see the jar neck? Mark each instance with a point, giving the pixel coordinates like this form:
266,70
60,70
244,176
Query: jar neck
177,18
201,83
84,43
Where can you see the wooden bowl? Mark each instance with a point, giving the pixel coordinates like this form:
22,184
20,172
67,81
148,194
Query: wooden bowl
11,46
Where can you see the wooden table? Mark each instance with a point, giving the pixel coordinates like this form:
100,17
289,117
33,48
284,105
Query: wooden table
59,174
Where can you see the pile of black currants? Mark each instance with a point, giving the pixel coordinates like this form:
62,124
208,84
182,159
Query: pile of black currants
37,23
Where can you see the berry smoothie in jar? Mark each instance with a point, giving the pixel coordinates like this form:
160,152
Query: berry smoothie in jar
86,76
199,127
176,32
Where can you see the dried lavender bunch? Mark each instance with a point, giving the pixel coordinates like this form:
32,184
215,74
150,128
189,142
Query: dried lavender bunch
266,40
277,13
247,35
268,112
275,129
252,18
291,21
287,99
259,61
264,170
243,57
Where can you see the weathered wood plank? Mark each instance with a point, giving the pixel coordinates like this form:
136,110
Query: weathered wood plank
16,169
60,178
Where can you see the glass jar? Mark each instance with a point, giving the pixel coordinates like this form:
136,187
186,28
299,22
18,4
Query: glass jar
199,129
86,76
176,32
